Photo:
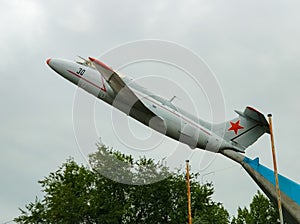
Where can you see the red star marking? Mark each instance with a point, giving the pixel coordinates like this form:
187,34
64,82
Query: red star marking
235,126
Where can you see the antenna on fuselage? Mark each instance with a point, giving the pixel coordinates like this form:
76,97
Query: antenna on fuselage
173,98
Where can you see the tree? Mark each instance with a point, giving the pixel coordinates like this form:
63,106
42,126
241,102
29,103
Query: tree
71,195
205,210
262,211
77,194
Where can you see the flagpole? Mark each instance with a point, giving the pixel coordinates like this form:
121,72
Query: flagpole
188,192
275,169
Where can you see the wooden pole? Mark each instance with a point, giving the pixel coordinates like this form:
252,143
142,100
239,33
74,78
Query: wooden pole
188,192
275,169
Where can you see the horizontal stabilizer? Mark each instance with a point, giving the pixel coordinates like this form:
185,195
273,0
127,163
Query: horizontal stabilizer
244,130
255,115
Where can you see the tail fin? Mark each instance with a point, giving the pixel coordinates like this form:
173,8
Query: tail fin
244,130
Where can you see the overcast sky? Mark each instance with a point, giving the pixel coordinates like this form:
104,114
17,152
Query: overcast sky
252,47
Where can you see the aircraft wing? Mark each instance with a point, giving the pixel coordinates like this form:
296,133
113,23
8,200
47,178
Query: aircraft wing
126,100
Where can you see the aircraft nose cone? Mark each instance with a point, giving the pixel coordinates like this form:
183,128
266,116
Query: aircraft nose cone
53,63
59,65
48,61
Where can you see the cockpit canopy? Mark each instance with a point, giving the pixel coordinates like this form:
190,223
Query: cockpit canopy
85,62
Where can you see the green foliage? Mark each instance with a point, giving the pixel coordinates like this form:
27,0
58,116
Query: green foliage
262,211
76,194
36,213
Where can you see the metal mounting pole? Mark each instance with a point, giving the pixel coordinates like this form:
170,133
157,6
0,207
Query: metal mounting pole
188,192
275,169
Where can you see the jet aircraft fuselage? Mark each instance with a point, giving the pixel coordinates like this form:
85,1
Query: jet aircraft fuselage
158,113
